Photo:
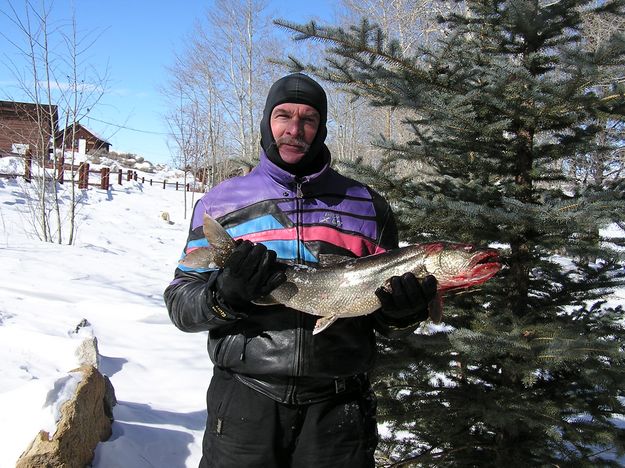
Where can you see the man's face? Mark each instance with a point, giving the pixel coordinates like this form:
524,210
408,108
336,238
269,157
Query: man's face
294,127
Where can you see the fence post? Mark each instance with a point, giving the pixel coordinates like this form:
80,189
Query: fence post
83,175
119,177
176,186
135,175
164,182
129,175
143,180
188,186
104,178
60,169
28,162
150,182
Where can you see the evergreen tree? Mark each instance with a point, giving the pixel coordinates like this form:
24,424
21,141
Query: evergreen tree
529,369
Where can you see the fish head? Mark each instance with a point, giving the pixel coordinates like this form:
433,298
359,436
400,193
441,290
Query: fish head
459,266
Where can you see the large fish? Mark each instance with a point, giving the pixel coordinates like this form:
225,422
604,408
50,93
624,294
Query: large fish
346,288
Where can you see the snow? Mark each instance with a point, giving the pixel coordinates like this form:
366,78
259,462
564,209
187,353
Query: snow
62,391
114,276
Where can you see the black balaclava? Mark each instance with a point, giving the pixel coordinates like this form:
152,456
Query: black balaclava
297,88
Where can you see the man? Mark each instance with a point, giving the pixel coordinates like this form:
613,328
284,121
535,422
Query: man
279,396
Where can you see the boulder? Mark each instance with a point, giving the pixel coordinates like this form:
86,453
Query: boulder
87,352
85,421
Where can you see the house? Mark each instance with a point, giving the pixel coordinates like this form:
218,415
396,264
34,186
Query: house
25,126
81,139
224,169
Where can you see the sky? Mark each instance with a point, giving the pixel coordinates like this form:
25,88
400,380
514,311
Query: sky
136,41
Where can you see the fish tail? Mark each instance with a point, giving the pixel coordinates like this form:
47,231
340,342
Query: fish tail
219,239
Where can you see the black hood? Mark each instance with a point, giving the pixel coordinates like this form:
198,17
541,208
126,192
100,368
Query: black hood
297,88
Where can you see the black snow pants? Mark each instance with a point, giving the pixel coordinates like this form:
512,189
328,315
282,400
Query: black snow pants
246,429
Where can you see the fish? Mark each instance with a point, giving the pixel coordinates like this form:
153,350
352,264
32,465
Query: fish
345,286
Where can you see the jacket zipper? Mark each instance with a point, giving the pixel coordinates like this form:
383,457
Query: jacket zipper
299,196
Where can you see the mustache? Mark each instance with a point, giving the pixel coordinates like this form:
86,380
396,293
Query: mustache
289,140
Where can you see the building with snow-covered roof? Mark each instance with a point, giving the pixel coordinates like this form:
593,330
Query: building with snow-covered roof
27,126
81,139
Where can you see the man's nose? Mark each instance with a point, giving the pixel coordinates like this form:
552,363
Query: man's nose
295,127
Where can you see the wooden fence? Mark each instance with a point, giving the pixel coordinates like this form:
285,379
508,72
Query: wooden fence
83,171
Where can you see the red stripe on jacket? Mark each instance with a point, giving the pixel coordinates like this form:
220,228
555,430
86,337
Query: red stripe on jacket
354,243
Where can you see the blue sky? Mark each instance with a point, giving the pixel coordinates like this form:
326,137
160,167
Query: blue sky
138,40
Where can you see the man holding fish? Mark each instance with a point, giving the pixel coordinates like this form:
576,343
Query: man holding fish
260,267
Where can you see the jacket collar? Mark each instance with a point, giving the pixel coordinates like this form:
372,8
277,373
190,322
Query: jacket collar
285,178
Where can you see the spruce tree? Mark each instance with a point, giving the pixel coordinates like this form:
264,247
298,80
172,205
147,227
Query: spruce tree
528,370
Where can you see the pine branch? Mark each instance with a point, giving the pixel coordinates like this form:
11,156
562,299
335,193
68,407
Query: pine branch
367,40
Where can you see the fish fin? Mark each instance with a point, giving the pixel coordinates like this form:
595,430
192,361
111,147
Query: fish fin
435,308
323,323
265,301
285,292
219,240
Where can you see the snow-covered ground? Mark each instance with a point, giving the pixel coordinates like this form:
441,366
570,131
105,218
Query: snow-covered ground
114,276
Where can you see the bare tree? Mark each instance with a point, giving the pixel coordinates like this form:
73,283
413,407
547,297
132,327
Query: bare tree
56,84
412,24
180,129
194,122
86,87
224,73
237,34
351,124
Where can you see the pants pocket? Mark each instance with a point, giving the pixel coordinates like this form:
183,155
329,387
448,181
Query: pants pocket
218,400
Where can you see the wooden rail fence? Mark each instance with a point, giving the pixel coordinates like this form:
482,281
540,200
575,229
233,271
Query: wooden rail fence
83,170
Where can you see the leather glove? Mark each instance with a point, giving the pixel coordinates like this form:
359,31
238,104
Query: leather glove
250,272
408,298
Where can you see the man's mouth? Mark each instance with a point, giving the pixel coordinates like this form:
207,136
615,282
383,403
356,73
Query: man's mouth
293,144
297,148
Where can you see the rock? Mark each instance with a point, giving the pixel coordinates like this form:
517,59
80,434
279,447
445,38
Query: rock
165,217
83,424
110,400
84,323
87,352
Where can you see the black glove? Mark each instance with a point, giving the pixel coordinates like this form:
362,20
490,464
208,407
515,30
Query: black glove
408,298
250,272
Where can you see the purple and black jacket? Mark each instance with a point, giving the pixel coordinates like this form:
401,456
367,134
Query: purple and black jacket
272,349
